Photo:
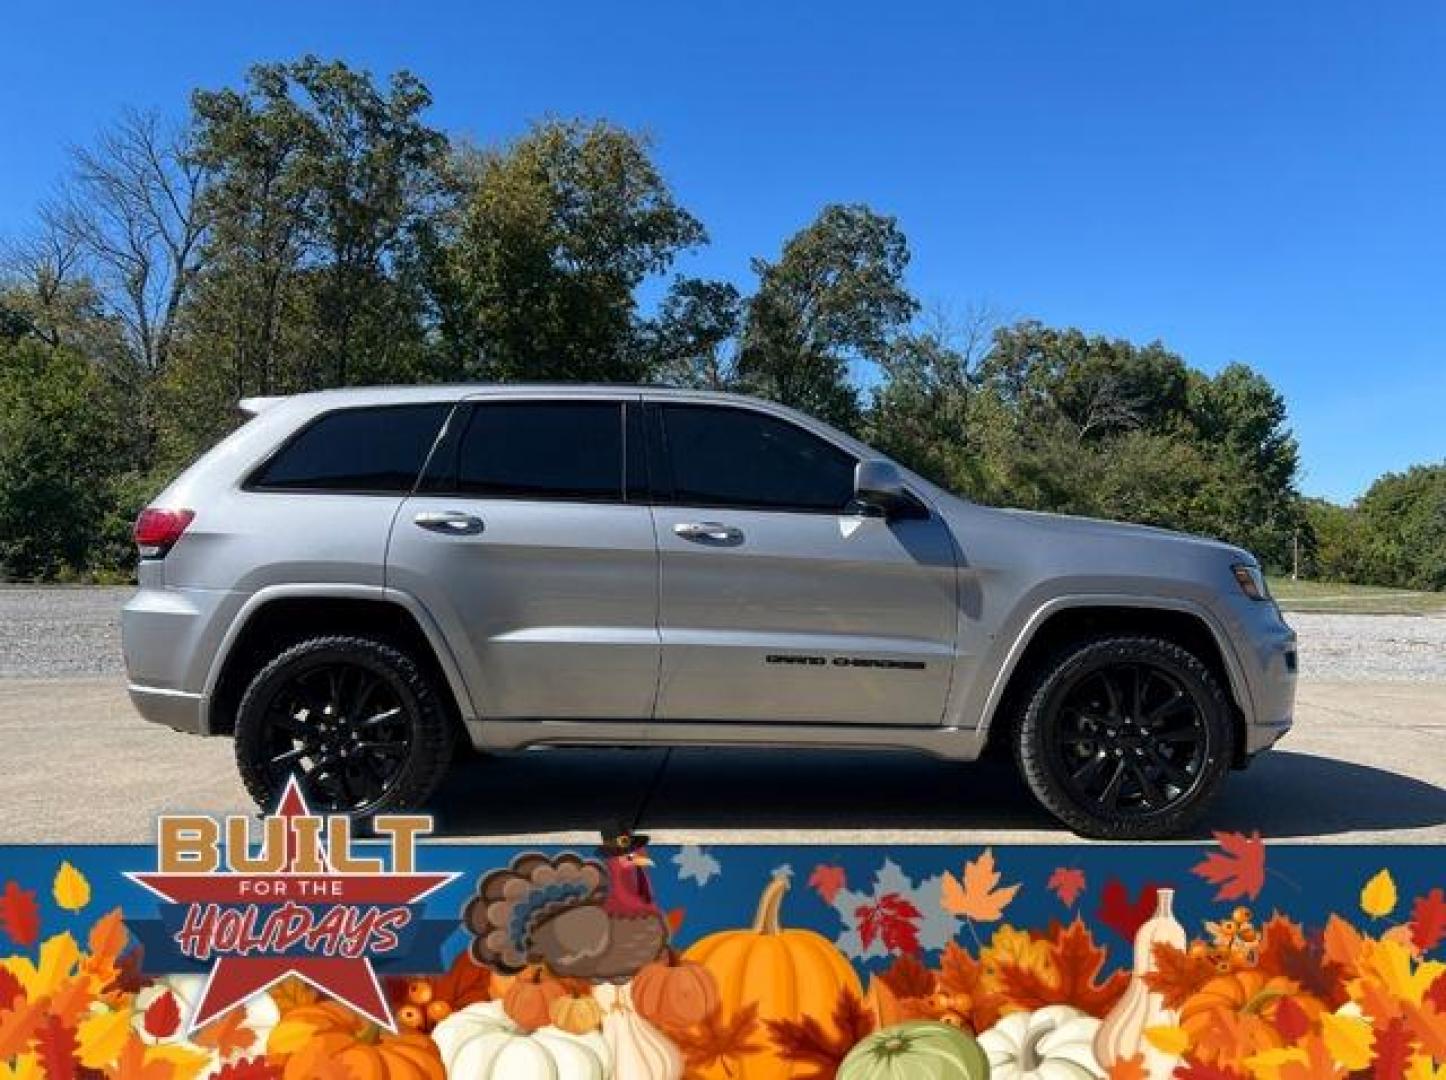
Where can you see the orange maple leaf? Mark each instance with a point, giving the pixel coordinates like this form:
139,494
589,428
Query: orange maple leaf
1429,1026
1238,867
1178,973
978,897
1130,1068
228,1035
1075,980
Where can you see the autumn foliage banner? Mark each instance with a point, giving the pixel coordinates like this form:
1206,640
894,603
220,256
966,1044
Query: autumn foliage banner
1219,960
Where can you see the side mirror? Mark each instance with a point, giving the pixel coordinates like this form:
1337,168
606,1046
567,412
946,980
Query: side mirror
879,487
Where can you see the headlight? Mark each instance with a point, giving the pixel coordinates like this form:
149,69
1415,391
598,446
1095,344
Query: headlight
1251,581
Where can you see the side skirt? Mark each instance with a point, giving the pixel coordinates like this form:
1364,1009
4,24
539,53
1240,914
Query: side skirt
954,744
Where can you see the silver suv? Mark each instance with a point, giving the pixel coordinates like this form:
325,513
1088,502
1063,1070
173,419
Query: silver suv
356,583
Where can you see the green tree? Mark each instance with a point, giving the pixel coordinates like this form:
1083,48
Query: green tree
61,457
834,299
534,275
1404,516
319,180
692,337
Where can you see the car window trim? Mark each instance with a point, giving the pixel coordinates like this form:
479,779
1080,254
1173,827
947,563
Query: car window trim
251,483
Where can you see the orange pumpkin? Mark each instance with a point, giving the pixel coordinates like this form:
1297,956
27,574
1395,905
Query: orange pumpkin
529,999
786,973
1236,1011
312,1035
576,1014
674,992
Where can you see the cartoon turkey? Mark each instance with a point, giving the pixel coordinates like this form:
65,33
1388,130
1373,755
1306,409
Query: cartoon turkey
582,918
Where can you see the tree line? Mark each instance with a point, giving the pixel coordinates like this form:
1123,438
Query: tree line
309,229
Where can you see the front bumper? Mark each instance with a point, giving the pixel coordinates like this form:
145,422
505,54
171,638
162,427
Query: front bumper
1271,661
177,709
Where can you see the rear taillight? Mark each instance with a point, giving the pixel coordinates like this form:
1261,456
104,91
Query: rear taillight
157,530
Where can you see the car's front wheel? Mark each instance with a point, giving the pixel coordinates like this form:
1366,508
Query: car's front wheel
1125,738
355,720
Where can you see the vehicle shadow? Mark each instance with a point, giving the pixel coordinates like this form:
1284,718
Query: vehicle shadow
1284,794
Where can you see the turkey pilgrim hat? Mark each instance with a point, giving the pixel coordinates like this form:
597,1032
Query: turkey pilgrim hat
620,841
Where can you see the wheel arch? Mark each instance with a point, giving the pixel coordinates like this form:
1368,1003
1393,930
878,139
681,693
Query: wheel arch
275,618
1072,618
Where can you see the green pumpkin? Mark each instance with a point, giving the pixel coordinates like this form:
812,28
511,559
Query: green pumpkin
920,1050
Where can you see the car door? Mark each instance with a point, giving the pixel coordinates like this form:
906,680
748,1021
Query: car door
779,604
524,542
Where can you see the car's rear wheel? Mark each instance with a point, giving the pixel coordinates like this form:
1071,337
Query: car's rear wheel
355,720
1125,738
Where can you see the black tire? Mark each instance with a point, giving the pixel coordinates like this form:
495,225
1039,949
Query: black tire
383,762
1158,759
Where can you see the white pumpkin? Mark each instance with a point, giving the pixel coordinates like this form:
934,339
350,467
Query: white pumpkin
1053,1043
640,1051
481,1042
262,1014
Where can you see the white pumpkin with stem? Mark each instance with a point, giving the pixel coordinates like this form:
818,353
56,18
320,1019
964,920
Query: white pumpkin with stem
481,1042
1053,1043
640,1051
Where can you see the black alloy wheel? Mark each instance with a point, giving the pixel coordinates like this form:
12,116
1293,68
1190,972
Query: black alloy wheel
1125,738
1129,739
354,720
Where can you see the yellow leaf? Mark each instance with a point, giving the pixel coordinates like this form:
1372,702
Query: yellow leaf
186,1064
1378,898
1421,1068
1172,1041
1268,1064
72,891
102,1037
977,898
58,957
1391,964
27,1067
289,1036
1348,1040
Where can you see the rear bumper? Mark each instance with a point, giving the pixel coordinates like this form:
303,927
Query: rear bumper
176,709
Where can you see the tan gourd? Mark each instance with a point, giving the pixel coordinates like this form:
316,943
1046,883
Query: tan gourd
1122,1035
639,1050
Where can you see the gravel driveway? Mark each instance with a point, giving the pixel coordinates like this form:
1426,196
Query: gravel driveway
68,632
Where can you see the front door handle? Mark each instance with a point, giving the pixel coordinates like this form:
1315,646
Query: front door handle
708,532
449,522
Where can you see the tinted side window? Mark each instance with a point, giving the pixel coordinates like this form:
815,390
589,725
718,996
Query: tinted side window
570,450
736,457
378,449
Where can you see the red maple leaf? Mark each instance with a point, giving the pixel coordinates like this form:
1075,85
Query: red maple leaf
827,881
1291,1020
56,1047
1238,868
163,1017
1196,1070
1428,920
1436,994
1121,914
254,1068
19,915
892,920
1067,883
907,977
1394,1047
10,989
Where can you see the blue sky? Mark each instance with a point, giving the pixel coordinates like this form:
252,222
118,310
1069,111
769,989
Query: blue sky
1245,181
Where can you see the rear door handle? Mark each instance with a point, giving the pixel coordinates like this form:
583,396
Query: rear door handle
708,532
449,522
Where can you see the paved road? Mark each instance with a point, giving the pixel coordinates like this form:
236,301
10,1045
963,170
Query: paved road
1364,763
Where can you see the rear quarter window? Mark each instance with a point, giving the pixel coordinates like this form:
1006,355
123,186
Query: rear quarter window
371,450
